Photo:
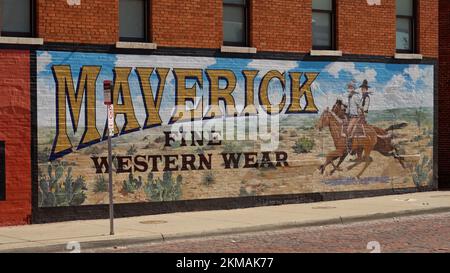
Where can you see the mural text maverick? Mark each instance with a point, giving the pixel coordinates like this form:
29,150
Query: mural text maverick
199,127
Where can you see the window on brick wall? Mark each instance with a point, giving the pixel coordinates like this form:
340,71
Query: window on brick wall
406,24
235,22
133,16
323,21
16,18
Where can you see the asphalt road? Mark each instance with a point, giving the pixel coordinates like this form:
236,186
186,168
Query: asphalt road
425,233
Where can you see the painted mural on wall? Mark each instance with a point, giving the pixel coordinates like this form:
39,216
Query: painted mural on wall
198,127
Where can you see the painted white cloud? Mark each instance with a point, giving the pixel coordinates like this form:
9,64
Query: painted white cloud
266,65
45,88
400,92
46,101
426,75
414,72
43,61
393,92
368,74
397,82
412,87
335,68
164,61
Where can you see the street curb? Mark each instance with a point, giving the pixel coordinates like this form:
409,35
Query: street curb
229,231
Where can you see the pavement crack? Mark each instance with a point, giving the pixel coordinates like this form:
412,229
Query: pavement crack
162,236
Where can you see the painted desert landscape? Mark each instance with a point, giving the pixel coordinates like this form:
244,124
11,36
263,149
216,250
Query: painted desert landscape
75,181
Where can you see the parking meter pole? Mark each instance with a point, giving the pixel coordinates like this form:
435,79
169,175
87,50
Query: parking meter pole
111,202
107,89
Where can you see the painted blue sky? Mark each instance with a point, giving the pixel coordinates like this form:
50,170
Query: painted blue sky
393,85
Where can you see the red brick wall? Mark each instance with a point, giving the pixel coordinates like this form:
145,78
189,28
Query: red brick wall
193,23
370,30
15,121
444,99
364,29
281,25
428,27
92,22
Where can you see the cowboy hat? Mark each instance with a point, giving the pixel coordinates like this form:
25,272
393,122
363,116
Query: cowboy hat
365,84
351,87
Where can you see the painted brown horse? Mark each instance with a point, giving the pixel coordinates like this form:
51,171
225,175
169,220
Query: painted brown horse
375,139
385,137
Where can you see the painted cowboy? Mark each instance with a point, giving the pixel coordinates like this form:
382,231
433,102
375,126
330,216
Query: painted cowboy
353,112
365,102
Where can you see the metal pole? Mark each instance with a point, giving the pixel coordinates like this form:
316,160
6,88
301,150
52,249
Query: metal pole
111,202
107,96
1,16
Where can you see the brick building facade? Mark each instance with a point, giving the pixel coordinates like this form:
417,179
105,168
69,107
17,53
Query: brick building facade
16,133
67,38
444,101
282,26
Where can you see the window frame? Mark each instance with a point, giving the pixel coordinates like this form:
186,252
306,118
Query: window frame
146,37
412,25
245,37
332,14
32,31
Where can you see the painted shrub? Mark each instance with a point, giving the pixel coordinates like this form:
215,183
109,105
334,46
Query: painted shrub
198,127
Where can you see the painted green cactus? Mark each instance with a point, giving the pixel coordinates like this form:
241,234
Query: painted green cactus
167,189
208,179
101,185
132,150
131,185
303,145
422,173
56,191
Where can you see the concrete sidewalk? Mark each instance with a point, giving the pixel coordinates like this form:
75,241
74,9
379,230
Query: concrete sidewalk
95,233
